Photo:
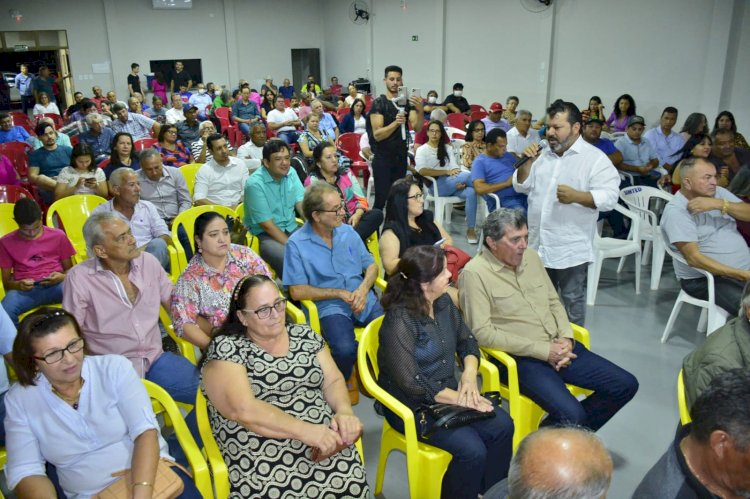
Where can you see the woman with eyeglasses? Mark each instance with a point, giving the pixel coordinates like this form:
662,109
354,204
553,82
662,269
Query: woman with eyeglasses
173,151
474,145
200,298
88,416
274,394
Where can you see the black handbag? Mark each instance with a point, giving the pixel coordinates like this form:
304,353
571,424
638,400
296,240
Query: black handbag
431,418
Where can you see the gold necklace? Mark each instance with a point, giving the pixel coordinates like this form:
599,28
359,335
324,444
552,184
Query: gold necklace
72,401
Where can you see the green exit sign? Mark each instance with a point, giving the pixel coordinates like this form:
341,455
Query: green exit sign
414,38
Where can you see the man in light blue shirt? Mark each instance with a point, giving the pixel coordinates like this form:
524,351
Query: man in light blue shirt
272,196
666,142
23,82
327,262
638,157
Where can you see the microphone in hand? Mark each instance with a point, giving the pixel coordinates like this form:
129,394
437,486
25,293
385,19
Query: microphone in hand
543,144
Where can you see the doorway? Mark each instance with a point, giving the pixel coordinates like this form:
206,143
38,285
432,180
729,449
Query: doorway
305,62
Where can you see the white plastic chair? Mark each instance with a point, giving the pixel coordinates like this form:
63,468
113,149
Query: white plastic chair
458,145
609,247
443,205
712,317
482,212
455,133
637,198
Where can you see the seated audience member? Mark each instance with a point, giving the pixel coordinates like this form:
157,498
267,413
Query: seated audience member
420,138
201,100
407,224
158,112
173,151
163,186
725,349
511,305
135,106
303,106
185,93
176,113
311,87
355,120
269,99
474,144
664,140
287,89
509,114
701,223
254,425
8,173
76,106
698,146
83,177
98,137
201,152
638,157
623,109
709,457
592,133
430,103
521,135
224,99
313,136
85,108
422,334
356,210
495,119
7,335
137,125
251,152
327,262
201,297
434,160
245,112
98,97
557,462
123,154
222,179
62,139
34,259
273,198
268,85
335,87
727,157
352,95
695,124
188,131
149,230
10,133
596,109
327,123
493,172
46,162
121,315
725,121
45,106
283,121
61,397
456,102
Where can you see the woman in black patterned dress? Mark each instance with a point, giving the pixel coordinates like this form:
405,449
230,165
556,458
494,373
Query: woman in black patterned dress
274,393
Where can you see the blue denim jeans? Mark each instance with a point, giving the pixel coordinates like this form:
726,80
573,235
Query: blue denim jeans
447,187
158,248
17,302
288,137
481,453
612,385
338,330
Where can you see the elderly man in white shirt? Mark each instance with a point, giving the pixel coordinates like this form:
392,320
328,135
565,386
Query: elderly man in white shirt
568,184
251,152
522,135
176,114
222,180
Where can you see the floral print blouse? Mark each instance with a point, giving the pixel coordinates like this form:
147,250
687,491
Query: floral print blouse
204,291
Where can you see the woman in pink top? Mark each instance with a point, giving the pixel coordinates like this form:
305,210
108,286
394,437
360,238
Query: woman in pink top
8,174
159,86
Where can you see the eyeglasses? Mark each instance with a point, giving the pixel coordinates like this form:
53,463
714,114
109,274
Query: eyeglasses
265,312
416,196
56,356
339,208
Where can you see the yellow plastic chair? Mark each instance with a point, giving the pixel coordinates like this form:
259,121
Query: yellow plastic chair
425,464
198,466
525,413
3,460
682,401
186,348
72,212
7,222
373,246
187,220
189,171
252,241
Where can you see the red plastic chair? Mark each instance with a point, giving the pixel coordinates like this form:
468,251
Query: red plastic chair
18,154
342,112
12,193
478,115
59,123
142,144
457,120
477,107
74,140
229,129
368,103
348,144
22,120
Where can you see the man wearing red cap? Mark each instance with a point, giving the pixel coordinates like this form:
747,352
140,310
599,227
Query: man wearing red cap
495,119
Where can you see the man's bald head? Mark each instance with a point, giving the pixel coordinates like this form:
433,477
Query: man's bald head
560,463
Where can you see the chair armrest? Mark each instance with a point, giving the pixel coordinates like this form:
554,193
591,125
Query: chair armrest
312,315
186,348
581,335
381,283
514,392
490,375
295,314
434,183
174,262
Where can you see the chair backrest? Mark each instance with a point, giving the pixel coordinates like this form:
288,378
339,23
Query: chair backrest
455,133
18,154
478,115
373,246
456,120
19,118
56,118
638,198
70,213
340,113
223,113
189,171
477,108
7,222
199,468
348,143
213,453
142,144
677,256
187,220
368,350
12,193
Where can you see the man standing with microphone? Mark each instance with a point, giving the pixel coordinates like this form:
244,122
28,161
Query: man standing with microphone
567,184
388,131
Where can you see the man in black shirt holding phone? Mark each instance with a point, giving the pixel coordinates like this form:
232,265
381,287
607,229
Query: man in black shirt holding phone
388,131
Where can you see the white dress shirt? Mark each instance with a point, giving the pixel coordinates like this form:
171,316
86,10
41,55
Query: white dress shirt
251,155
146,223
175,115
561,233
517,142
222,185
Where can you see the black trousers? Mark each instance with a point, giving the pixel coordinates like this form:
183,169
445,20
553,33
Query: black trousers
387,167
